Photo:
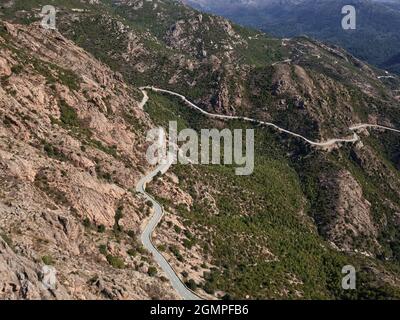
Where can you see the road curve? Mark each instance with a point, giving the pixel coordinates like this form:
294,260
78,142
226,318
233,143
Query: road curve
327,143
146,236
372,126
144,100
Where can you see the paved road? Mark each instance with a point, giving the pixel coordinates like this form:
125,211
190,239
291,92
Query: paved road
327,143
386,77
376,126
146,236
144,100
281,62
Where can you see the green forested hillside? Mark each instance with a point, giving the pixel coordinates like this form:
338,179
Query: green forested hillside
287,230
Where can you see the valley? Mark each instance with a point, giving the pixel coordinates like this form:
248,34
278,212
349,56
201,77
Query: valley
78,193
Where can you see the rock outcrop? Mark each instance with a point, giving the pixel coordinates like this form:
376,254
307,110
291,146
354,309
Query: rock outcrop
71,151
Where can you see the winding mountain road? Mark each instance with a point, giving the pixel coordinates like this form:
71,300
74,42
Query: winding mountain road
144,100
326,143
146,235
377,126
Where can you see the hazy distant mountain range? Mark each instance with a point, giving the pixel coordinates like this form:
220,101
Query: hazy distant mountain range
376,40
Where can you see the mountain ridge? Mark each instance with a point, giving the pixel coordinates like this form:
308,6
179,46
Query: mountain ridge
283,233
376,21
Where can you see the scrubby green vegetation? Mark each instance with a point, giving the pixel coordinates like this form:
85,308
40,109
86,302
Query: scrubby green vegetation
87,223
68,115
58,196
7,240
17,69
47,260
116,262
131,252
191,284
53,152
50,71
103,249
176,253
112,151
118,216
152,271
263,242
261,50
265,236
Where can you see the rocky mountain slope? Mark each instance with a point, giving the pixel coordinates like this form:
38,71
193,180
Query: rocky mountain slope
72,150
284,232
375,40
